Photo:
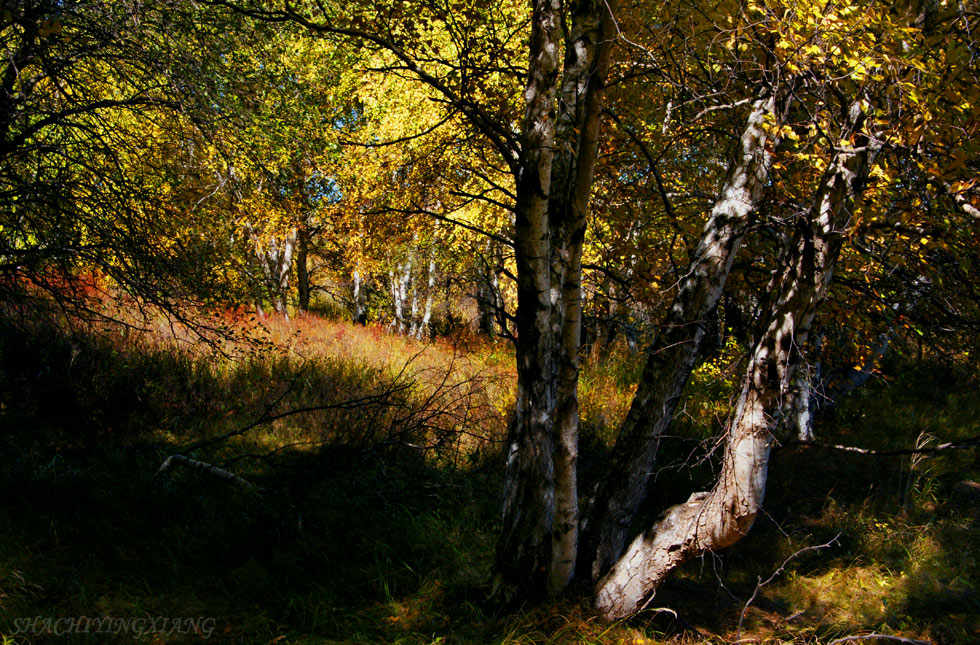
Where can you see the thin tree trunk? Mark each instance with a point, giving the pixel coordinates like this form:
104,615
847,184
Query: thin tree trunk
485,300
499,305
303,270
396,300
404,288
423,328
284,264
359,314
720,517
672,355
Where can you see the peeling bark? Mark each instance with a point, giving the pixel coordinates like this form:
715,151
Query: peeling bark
720,517
588,51
673,353
523,549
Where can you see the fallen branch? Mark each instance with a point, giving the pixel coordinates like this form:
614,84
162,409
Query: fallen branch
205,467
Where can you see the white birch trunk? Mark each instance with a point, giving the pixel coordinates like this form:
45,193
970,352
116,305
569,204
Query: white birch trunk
422,331
675,349
523,549
358,299
720,517
276,262
588,51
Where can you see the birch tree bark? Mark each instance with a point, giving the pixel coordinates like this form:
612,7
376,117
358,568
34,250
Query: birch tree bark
523,549
588,50
552,206
422,329
673,353
720,517
276,263
359,311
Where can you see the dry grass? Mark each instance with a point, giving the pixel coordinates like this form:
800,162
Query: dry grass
399,498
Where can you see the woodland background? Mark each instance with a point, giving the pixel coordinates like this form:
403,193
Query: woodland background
267,339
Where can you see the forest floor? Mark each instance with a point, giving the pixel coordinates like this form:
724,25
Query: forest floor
371,505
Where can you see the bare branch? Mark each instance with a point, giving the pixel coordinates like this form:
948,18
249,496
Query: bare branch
877,636
760,584
952,445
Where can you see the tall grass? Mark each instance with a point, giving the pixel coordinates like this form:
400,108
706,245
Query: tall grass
373,514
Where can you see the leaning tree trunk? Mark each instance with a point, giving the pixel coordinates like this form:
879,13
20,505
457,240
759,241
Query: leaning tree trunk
720,517
672,356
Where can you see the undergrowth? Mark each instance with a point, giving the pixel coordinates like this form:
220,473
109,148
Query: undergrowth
372,516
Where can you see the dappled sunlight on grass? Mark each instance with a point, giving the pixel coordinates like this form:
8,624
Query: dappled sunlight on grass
375,513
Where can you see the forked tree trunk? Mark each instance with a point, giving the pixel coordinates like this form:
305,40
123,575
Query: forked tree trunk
276,262
673,353
720,517
537,550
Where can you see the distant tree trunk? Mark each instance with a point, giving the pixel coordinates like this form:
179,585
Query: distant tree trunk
499,305
720,517
485,300
359,313
855,376
284,266
396,300
423,327
405,288
675,348
798,407
302,270
276,262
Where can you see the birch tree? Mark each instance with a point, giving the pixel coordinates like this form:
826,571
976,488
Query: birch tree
808,84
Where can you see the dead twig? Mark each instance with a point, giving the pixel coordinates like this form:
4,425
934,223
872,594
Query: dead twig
760,583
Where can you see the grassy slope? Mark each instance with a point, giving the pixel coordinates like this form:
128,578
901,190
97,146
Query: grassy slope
376,524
